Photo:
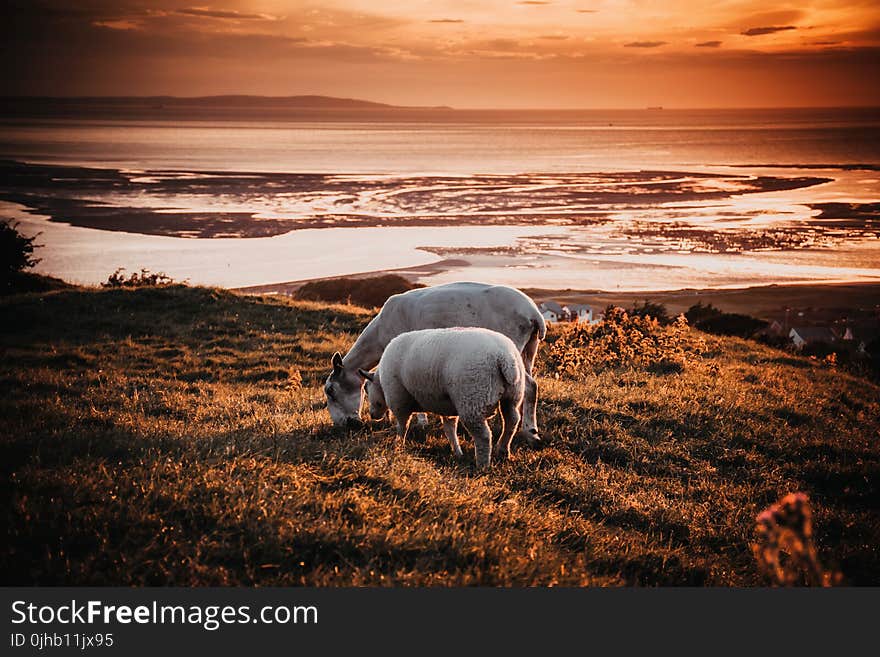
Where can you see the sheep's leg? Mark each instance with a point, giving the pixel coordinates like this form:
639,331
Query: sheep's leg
529,429
510,413
402,419
529,352
482,435
450,428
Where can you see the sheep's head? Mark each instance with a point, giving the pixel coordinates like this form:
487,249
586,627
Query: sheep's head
375,394
345,394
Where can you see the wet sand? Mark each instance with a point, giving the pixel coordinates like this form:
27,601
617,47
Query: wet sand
213,204
612,230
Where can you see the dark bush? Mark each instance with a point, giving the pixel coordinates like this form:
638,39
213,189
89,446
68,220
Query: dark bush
366,292
16,250
144,278
818,349
710,319
698,313
742,326
781,341
872,362
651,310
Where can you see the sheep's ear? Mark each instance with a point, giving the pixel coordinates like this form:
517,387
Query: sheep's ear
367,375
336,361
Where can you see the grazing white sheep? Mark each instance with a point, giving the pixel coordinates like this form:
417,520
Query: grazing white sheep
460,373
497,307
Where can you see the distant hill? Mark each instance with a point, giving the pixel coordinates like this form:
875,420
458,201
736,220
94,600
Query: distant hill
269,101
180,106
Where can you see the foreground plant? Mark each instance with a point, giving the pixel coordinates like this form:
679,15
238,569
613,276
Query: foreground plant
785,549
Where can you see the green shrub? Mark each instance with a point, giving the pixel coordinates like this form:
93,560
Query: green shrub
622,340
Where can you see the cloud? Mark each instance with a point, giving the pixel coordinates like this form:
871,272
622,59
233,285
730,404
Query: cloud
503,44
645,44
758,31
501,48
587,11
120,24
446,20
532,2
708,44
206,12
825,43
117,47
554,37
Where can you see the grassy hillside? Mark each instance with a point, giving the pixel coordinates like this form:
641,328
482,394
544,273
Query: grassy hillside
178,436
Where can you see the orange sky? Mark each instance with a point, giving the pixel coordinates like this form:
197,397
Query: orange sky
489,53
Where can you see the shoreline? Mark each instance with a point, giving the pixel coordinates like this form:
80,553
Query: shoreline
763,301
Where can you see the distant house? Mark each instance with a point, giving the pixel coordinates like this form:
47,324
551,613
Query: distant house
802,336
552,311
858,337
581,313
775,328
576,312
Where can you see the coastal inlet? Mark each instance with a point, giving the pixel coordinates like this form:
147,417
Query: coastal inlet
612,230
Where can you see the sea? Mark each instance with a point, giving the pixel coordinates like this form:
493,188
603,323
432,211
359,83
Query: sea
635,200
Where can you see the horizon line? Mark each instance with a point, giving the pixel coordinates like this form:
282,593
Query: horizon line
381,105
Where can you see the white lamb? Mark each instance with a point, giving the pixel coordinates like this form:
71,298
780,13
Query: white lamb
464,373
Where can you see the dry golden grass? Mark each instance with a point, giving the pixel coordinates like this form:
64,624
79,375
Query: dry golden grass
178,436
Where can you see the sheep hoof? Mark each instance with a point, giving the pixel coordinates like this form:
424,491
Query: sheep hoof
531,437
503,455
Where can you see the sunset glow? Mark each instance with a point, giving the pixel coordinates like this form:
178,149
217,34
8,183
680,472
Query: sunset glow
488,54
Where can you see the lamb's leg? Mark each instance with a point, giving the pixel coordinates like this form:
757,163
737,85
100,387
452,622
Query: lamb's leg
402,407
510,413
529,429
482,435
450,428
